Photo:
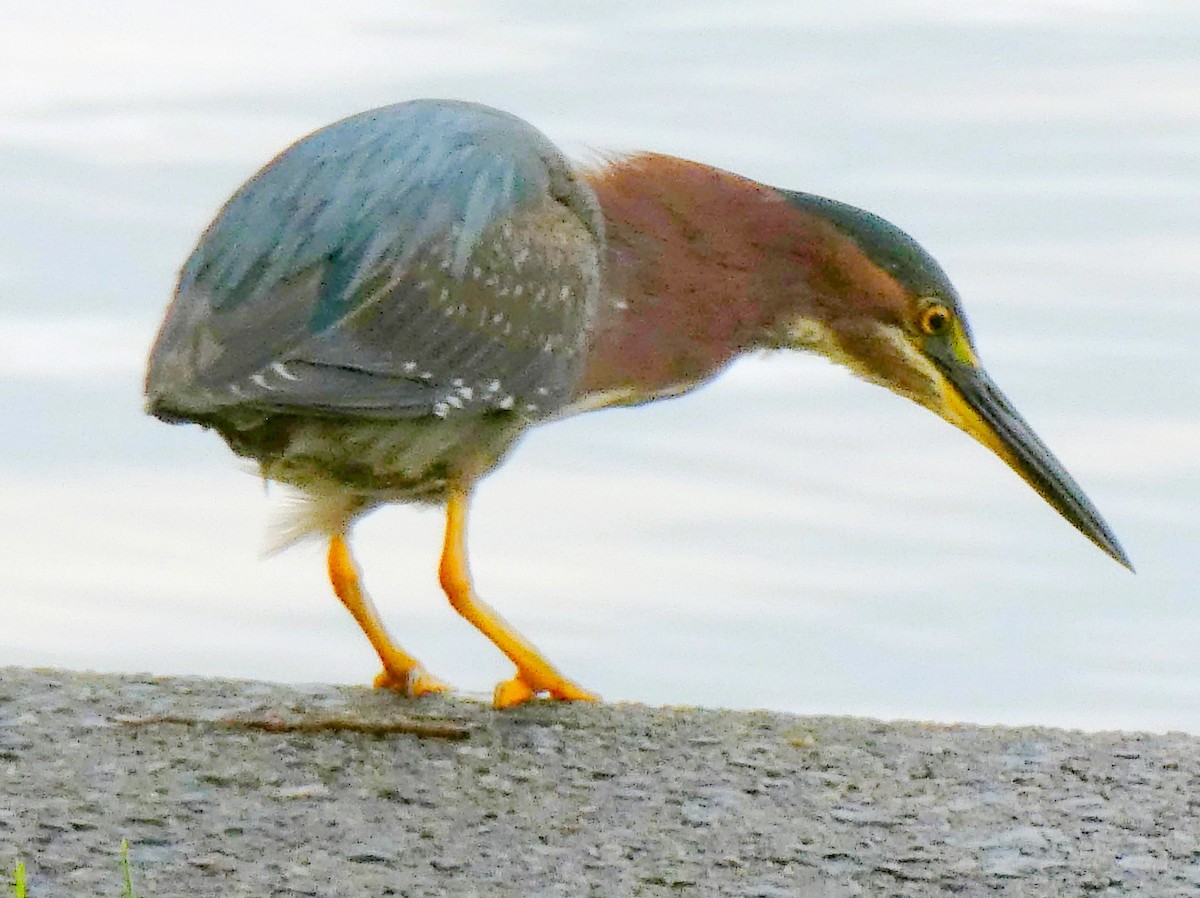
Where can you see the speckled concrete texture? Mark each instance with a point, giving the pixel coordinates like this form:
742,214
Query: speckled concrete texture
249,789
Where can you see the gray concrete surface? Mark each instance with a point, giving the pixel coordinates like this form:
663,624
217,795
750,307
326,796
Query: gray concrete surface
237,788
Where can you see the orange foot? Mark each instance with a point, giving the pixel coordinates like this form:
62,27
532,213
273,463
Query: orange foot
527,685
412,683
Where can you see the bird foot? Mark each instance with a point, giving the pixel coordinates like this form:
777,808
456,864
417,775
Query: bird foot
525,686
412,683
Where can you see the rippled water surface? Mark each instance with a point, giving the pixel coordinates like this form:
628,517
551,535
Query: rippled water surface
788,537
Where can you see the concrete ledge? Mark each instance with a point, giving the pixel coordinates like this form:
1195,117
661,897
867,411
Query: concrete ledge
238,788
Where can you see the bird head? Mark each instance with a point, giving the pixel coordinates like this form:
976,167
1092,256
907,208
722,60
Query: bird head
880,305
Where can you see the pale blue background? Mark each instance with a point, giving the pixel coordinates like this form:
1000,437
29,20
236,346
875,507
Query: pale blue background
789,537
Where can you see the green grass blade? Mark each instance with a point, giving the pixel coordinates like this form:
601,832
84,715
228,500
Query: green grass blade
128,891
19,880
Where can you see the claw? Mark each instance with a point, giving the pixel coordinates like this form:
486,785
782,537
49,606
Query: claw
413,683
525,686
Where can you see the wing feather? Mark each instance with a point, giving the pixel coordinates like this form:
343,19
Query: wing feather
428,258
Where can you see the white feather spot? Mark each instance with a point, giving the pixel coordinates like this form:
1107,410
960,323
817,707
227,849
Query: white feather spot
281,369
454,401
506,402
261,381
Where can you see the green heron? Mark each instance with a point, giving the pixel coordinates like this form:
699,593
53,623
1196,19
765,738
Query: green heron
379,314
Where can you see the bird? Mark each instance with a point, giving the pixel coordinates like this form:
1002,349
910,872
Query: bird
383,310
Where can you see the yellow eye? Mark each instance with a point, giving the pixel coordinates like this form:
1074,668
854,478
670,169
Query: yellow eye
935,319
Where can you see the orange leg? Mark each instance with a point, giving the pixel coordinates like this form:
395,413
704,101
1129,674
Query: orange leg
534,673
401,671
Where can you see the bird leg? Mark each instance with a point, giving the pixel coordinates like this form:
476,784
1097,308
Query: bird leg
401,671
534,673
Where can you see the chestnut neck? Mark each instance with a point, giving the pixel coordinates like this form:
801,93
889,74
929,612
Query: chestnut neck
702,266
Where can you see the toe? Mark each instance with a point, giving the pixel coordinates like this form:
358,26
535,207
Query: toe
413,683
511,693
566,691
524,687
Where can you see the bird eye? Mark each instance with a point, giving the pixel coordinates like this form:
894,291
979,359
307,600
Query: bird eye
935,319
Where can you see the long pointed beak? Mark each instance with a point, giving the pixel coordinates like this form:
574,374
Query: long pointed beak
977,406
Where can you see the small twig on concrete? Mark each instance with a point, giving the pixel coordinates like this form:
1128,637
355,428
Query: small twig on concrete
273,723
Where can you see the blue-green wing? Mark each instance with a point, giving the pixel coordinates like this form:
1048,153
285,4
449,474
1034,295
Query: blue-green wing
431,257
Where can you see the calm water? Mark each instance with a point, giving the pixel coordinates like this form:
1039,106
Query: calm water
788,537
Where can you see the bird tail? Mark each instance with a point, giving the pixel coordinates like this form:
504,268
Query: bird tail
312,514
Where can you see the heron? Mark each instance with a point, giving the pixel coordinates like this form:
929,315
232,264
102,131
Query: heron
383,310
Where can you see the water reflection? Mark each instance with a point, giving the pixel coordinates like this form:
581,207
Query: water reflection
774,540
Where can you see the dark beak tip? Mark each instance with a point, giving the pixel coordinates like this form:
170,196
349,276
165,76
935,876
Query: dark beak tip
1030,457
1125,562
1109,545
